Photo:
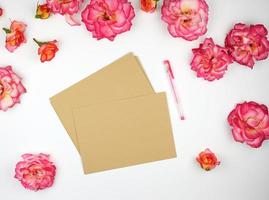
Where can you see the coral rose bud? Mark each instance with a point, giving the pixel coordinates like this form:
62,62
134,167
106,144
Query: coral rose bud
15,35
148,5
47,50
42,11
207,160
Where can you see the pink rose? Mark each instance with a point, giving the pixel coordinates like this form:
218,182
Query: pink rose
11,88
68,8
108,18
250,123
248,43
185,18
64,6
210,61
15,35
35,172
1,11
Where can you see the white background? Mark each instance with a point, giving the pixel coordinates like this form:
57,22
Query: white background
34,127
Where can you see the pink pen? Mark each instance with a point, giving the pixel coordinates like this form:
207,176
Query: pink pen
174,89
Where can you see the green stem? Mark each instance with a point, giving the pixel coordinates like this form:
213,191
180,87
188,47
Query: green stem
38,42
7,30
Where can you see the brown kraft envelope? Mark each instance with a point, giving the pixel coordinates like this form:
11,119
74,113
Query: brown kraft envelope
121,79
124,132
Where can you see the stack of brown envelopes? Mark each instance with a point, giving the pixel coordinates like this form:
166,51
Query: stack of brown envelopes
115,119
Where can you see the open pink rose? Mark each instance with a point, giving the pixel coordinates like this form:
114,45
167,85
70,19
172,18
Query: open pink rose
250,123
185,18
68,8
108,18
15,35
64,6
248,43
210,61
35,172
11,88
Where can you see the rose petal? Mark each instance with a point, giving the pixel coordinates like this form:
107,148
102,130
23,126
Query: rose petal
72,20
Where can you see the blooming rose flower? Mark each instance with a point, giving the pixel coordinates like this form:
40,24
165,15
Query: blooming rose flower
66,7
35,172
42,11
11,88
108,18
248,43
185,18
47,50
15,35
148,5
210,61
207,160
250,123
